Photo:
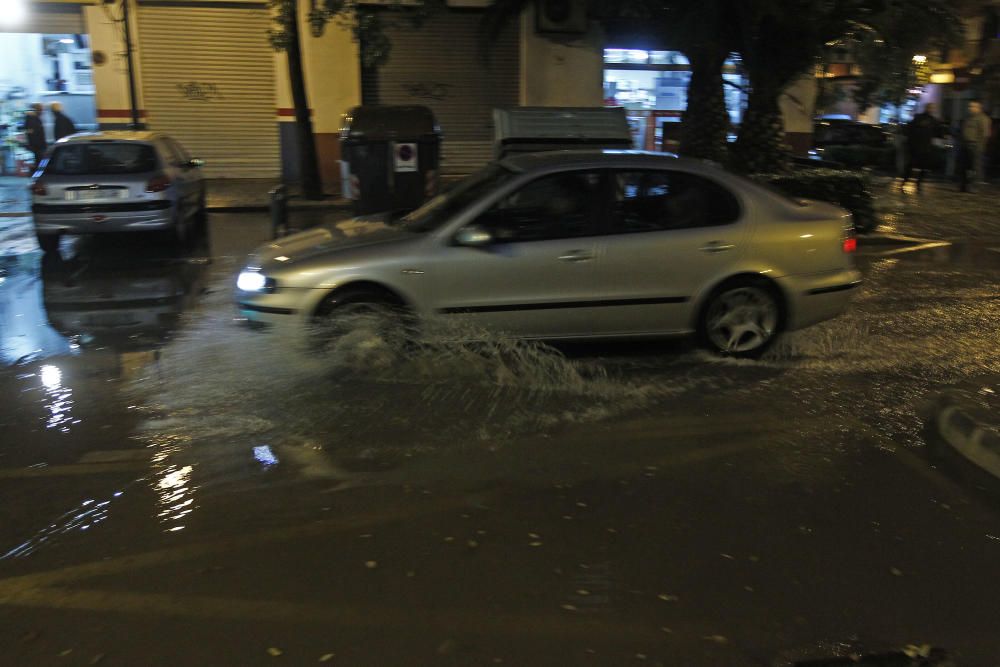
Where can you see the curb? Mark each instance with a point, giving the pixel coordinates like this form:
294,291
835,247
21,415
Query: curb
972,439
264,208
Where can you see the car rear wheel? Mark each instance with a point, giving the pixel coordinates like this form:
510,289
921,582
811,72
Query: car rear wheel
48,242
741,319
180,231
201,214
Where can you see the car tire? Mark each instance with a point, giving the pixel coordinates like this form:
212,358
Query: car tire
180,231
201,214
741,319
48,242
358,301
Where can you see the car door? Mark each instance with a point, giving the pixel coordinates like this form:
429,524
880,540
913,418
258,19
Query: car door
669,234
536,277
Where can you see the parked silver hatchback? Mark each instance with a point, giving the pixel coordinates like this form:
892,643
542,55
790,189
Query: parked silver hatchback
578,244
99,182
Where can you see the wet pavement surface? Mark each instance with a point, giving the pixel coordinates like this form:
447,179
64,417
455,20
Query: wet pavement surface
176,488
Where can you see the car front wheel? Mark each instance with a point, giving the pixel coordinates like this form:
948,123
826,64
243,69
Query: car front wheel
741,320
360,314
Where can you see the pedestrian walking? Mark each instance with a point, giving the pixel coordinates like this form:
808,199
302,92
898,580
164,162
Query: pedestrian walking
35,133
63,125
975,136
920,135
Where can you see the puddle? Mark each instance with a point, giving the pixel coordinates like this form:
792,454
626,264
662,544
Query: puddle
368,400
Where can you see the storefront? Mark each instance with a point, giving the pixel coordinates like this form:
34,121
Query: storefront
208,79
652,86
45,58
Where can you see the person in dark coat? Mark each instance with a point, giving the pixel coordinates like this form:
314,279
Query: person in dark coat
63,125
35,133
920,135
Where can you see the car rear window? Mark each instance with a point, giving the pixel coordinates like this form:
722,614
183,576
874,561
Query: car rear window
101,158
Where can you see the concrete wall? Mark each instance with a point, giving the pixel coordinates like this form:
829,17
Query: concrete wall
333,85
561,73
111,77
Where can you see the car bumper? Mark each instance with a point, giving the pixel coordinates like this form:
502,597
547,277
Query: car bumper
283,308
56,219
817,297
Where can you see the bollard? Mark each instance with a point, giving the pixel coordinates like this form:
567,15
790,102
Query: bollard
279,211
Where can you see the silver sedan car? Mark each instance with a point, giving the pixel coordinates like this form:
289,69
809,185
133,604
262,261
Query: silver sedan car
578,244
98,182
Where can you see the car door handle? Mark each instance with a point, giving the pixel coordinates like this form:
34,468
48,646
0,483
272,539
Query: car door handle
577,256
717,246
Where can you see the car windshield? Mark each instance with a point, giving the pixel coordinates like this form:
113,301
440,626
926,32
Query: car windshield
84,159
439,210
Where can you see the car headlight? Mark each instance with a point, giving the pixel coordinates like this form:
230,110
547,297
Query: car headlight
252,281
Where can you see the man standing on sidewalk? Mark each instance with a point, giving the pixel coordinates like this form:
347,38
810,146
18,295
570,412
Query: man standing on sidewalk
975,136
62,123
35,133
919,154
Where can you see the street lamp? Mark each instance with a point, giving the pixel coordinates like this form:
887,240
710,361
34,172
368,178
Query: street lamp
919,60
13,13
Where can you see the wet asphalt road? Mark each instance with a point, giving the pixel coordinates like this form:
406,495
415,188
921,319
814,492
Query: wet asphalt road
178,489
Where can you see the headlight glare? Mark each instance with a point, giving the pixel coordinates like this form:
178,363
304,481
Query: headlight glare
251,281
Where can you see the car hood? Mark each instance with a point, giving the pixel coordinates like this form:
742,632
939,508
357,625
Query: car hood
329,238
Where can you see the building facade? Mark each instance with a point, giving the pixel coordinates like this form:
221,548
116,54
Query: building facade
204,71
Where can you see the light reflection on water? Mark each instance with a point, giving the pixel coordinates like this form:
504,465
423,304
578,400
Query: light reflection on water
83,517
59,395
175,496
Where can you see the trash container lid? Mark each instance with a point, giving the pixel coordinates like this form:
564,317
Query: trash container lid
388,122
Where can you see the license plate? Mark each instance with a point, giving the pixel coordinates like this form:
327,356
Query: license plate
92,195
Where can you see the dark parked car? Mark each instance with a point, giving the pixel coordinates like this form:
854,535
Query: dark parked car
849,133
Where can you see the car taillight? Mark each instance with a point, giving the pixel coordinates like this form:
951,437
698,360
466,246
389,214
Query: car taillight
850,244
157,183
38,188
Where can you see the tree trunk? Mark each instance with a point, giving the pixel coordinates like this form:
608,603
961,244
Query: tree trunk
760,145
705,120
312,186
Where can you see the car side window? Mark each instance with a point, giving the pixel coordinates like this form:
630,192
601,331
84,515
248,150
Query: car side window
167,150
182,154
659,200
558,206
178,157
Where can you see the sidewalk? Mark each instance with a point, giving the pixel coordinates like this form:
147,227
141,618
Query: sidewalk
940,211
224,195
14,196
232,195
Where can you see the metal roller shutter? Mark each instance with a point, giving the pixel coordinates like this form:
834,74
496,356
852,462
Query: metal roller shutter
440,65
52,19
208,81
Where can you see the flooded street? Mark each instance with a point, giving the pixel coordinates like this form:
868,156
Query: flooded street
179,488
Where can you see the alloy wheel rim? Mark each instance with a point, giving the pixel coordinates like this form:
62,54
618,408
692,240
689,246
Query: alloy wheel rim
742,320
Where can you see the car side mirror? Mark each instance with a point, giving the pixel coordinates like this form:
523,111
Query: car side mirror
473,236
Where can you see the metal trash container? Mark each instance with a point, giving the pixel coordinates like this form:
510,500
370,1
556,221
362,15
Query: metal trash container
389,157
